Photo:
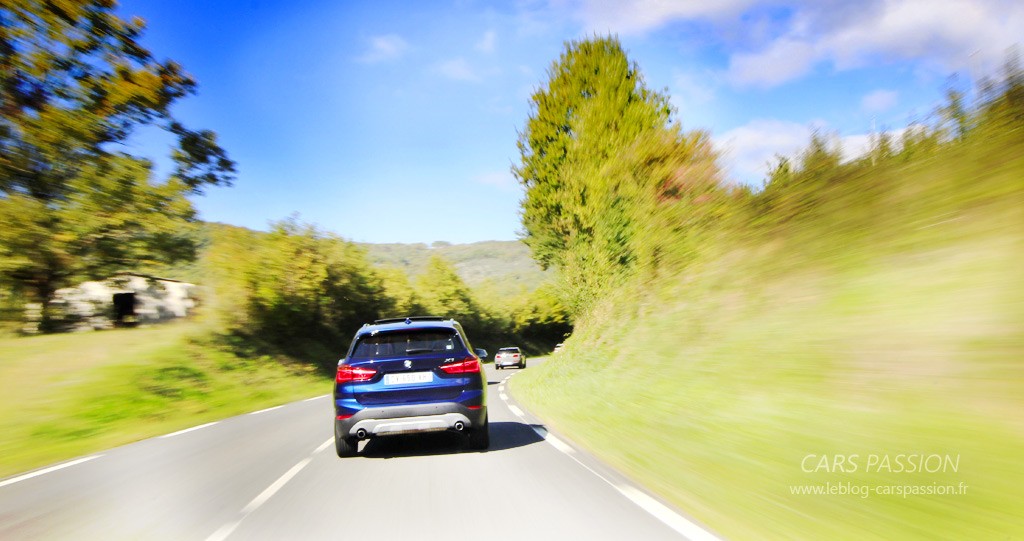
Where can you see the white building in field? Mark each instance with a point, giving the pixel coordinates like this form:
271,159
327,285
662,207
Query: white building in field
124,299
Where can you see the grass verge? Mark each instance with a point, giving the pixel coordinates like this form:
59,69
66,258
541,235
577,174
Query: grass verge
67,395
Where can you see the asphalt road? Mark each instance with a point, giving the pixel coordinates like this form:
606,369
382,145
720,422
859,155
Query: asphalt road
273,474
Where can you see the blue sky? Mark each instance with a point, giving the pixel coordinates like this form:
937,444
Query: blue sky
395,121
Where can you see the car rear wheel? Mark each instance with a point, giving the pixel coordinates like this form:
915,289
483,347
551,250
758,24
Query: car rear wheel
480,438
346,447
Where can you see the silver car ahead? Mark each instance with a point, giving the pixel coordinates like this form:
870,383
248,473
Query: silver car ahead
510,356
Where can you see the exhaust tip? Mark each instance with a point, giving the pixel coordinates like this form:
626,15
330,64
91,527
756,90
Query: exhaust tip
459,426
361,433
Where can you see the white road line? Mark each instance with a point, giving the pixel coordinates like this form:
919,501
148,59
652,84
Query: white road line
316,398
501,388
669,517
273,488
658,510
555,442
226,530
323,445
503,396
266,410
180,432
559,444
44,471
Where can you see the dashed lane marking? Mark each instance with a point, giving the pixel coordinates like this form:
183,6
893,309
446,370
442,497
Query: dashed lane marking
323,445
275,486
227,529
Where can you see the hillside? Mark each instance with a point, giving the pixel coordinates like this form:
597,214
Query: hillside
505,266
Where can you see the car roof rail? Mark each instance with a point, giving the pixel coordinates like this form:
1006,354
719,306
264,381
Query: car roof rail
409,319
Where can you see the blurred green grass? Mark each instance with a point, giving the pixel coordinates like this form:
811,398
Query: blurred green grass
889,323
65,395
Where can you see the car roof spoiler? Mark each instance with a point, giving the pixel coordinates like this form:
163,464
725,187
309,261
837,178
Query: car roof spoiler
409,319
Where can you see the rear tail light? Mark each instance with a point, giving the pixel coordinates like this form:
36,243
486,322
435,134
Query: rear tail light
469,365
515,355
348,373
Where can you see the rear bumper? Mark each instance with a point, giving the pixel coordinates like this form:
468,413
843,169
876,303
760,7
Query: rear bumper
410,419
508,362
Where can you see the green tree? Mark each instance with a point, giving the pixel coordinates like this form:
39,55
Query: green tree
608,178
306,283
75,83
445,294
400,292
595,103
111,218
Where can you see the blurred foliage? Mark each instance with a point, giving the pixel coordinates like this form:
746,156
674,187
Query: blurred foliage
615,192
611,185
872,305
594,104
75,83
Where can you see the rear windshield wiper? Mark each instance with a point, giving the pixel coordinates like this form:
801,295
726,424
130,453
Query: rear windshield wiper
414,351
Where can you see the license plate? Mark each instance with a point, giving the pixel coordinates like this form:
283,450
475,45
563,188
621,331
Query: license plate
408,377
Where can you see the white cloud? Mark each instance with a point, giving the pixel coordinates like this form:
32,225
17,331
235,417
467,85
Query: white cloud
948,34
695,89
640,16
782,61
487,42
857,145
879,101
384,48
503,180
459,70
748,150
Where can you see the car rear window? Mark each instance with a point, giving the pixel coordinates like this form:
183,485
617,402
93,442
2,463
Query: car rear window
509,350
411,342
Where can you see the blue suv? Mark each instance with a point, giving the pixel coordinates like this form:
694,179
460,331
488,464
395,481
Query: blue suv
406,376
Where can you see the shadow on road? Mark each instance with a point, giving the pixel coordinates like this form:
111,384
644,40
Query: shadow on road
504,436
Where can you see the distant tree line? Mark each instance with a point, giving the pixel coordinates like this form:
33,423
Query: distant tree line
305,292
